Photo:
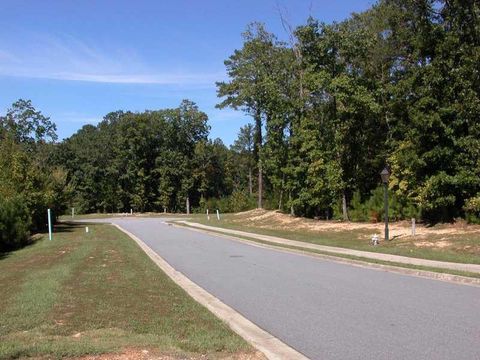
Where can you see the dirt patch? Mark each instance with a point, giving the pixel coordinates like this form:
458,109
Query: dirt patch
59,322
275,219
144,354
433,244
128,354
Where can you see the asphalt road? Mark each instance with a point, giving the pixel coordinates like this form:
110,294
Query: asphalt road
324,309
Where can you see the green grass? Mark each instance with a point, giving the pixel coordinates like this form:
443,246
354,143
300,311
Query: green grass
99,293
358,259
358,239
85,216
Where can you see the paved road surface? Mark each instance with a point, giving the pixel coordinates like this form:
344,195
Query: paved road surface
324,309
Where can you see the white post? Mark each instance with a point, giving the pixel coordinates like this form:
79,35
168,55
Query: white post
164,210
218,215
49,224
86,229
131,211
208,216
413,226
73,212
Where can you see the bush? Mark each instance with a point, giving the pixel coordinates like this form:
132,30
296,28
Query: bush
15,222
472,210
236,202
358,210
242,201
373,208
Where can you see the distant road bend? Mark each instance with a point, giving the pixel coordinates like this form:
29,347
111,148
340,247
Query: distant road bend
324,309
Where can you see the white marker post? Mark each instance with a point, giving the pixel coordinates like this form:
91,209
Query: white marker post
413,226
131,211
208,216
49,224
73,212
86,229
218,215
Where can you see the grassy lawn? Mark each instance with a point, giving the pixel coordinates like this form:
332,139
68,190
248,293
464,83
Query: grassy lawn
99,293
86,216
461,248
350,257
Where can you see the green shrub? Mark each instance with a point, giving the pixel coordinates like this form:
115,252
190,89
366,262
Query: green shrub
358,210
375,205
236,202
242,201
472,210
373,208
15,222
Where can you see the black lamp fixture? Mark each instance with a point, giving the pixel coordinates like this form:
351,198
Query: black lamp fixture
385,174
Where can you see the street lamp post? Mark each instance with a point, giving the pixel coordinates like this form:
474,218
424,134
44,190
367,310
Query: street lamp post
385,174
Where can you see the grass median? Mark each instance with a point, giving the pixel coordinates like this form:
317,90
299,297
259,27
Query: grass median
455,245
96,293
333,255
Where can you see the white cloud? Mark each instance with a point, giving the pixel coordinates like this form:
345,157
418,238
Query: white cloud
68,58
75,117
119,78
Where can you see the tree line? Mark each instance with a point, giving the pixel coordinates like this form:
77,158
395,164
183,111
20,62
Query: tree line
397,85
30,180
158,161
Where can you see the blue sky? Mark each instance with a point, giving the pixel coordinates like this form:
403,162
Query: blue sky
79,60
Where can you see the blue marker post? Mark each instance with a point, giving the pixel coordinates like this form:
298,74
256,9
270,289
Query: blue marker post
49,225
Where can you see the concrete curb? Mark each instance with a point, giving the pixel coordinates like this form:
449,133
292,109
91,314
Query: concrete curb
269,345
474,268
456,279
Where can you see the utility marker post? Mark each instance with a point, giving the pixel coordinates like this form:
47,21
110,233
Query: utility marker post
73,212
385,175
131,211
49,224
387,237
413,226
208,216
218,215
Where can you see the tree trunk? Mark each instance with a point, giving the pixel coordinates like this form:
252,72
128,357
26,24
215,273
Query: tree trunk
256,152
188,205
280,202
344,206
260,185
292,209
250,184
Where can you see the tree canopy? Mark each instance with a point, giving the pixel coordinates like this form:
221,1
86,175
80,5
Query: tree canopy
395,86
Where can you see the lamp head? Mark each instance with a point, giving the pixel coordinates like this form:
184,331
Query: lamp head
385,174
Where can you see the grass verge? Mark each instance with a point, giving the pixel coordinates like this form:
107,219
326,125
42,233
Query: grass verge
87,294
358,259
464,248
